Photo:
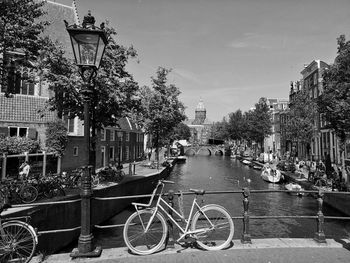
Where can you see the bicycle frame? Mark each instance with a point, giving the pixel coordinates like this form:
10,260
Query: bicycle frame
162,205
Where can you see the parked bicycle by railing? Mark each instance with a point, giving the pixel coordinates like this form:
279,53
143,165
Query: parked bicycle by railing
18,191
48,186
210,227
73,179
18,239
110,174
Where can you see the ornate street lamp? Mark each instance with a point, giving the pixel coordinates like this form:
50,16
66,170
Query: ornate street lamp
88,44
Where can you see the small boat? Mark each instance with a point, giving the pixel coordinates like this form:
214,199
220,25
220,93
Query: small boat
299,191
246,162
257,167
271,175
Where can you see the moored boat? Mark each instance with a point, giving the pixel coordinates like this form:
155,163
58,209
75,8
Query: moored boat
246,162
296,188
271,175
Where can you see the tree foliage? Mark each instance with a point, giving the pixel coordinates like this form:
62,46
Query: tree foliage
181,132
56,137
334,103
303,111
163,110
219,130
114,94
19,30
17,145
258,122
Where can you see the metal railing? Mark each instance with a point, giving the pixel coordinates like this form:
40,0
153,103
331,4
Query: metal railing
246,216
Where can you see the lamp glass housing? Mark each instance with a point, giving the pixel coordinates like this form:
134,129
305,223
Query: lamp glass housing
88,46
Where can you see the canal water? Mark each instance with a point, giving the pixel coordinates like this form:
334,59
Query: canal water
223,173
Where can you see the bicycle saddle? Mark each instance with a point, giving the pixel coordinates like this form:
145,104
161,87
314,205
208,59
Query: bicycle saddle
198,191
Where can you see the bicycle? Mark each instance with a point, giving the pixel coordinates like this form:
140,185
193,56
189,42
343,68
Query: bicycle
19,190
18,239
145,231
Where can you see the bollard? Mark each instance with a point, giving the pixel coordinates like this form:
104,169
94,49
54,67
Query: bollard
170,241
320,236
246,239
134,166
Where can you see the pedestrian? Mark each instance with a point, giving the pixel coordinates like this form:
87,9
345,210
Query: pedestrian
149,155
24,170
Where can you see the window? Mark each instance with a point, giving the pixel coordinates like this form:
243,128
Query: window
18,131
111,153
112,136
70,123
103,156
127,153
75,151
127,136
103,134
27,88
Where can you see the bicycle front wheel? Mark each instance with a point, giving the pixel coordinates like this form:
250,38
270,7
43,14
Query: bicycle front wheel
215,227
17,242
28,194
143,242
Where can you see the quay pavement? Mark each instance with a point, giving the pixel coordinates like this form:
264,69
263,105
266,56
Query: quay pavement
278,250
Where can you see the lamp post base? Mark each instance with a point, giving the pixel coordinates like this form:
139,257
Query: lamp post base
92,254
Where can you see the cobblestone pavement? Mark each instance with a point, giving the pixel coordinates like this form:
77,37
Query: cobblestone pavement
261,250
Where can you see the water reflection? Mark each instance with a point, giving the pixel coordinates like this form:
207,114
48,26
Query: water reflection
223,173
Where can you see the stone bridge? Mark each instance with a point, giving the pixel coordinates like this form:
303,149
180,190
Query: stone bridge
204,150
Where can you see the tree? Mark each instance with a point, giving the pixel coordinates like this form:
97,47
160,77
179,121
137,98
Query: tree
334,102
115,93
259,122
181,132
220,130
162,108
303,111
56,137
236,125
19,30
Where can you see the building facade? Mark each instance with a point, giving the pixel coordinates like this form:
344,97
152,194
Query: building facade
324,143
273,143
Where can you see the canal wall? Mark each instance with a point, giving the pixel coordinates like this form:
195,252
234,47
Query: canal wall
67,215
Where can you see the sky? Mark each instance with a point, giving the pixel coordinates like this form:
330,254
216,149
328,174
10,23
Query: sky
229,53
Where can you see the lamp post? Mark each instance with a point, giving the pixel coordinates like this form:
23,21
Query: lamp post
88,44
120,135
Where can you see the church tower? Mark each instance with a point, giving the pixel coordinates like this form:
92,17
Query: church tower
200,113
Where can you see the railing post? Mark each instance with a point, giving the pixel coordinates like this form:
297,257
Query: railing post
246,236
320,236
170,241
4,164
130,169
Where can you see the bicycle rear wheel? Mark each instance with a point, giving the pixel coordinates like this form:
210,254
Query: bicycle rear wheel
17,242
137,239
28,194
217,227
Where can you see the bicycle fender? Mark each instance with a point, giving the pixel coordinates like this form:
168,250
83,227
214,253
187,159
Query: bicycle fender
214,205
27,225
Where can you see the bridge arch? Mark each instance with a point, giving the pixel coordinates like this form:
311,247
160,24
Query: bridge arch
204,149
190,151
